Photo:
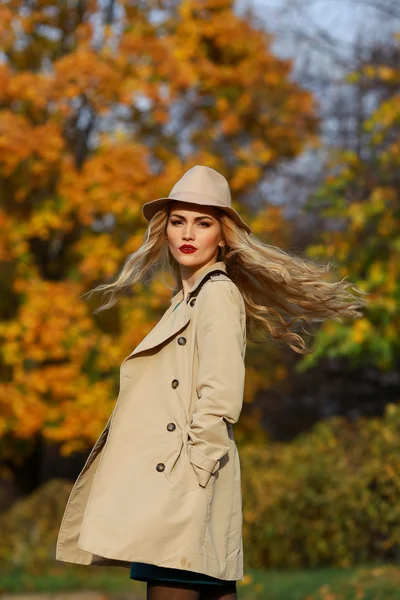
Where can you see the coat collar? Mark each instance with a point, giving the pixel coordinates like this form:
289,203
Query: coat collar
174,320
217,266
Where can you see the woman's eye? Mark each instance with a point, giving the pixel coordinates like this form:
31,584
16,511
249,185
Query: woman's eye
201,223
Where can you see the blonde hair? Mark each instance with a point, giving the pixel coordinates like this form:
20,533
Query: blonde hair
279,289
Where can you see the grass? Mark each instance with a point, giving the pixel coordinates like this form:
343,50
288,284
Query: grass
372,582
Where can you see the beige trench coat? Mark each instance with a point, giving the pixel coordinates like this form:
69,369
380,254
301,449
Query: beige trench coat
162,483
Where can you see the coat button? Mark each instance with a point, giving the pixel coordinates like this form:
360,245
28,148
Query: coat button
160,467
181,341
175,383
171,426
192,302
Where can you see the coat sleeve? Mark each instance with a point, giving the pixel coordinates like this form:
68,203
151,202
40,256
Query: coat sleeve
221,343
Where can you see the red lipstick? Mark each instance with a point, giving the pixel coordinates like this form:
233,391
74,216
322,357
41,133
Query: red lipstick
187,248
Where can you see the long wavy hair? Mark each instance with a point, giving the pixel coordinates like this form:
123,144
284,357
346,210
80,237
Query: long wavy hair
280,289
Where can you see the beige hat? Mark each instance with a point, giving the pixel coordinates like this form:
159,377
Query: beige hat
199,185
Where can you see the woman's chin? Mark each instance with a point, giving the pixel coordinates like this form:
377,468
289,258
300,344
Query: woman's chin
191,258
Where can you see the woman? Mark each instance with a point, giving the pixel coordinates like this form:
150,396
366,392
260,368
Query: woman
160,492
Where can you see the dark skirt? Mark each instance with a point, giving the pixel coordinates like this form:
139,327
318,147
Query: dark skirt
145,572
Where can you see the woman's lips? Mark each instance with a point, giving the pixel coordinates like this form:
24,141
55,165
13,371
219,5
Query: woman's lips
188,250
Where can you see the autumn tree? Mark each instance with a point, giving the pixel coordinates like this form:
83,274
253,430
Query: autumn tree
361,196
103,106
351,82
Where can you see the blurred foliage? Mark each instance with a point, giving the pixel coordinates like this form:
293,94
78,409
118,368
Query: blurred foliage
97,112
29,529
330,497
361,196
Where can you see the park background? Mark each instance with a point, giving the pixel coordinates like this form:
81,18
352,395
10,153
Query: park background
103,106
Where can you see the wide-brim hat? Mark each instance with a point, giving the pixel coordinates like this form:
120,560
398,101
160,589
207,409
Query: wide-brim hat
199,185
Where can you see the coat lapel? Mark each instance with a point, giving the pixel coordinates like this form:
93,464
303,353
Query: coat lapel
173,320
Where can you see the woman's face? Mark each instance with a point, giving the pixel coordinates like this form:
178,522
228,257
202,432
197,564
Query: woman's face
197,226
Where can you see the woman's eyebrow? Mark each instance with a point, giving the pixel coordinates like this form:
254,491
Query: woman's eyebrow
196,218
